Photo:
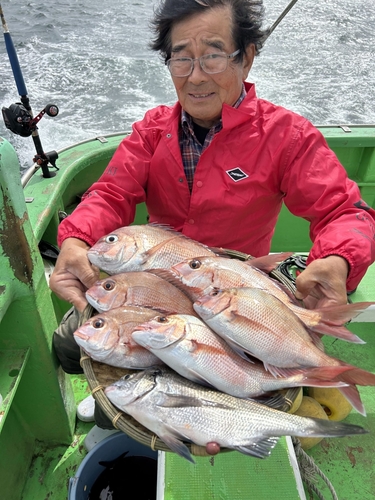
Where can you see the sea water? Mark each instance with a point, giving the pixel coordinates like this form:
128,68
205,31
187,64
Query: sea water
91,59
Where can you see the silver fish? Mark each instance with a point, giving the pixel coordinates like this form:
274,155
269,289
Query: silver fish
192,349
178,410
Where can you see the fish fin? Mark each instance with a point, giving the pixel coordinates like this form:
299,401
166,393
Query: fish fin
191,292
317,341
356,376
237,348
260,449
323,376
351,393
328,428
177,446
332,319
276,402
199,379
278,371
332,374
339,332
339,315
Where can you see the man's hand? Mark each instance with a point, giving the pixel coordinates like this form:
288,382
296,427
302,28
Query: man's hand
323,282
73,273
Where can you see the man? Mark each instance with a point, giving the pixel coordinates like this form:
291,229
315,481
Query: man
218,165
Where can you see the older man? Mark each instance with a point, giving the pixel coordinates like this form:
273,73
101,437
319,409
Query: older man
218,165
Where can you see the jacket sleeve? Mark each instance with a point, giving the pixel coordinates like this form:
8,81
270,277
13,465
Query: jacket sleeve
110,202
317,188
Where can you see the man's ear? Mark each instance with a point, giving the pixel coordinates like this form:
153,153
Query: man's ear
248,60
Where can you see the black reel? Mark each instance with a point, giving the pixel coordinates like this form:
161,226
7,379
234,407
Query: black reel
19,120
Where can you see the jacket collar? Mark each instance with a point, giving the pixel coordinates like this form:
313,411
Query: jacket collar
231,117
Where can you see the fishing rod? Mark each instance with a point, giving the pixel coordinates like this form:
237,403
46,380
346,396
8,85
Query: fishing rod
19,118
280,18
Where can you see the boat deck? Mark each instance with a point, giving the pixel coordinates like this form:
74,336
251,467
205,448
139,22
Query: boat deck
349,462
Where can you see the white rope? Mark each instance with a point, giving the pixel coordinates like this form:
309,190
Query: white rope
309,470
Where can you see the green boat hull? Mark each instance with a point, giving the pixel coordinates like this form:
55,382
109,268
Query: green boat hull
40,439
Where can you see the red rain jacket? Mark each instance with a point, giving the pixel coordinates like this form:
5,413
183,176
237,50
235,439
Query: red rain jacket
263,156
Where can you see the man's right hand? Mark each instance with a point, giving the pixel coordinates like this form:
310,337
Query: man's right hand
73,273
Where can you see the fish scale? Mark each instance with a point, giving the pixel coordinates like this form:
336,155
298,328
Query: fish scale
176,409
138,248
200,275
138,288
262,325
192,349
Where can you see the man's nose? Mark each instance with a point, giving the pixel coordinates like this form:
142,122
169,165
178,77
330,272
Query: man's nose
197,74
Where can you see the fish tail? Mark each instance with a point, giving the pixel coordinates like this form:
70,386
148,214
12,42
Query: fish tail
356,376
333,318
324,376
340,332
330,428
339,315
352,395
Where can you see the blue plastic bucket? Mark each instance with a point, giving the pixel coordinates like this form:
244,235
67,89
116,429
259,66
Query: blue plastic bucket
108,449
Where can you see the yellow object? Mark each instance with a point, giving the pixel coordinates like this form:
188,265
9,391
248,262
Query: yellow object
296,402
309,407
336,406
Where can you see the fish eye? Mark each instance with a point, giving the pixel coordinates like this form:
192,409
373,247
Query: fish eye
109,285
98,323
112,238
162,319
195,264
126,377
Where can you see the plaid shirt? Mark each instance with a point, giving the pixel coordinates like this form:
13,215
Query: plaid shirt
191,148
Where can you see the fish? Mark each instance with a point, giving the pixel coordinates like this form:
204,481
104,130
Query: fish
188,346
198,276
179,410
106,338
138,288
143,247
260,324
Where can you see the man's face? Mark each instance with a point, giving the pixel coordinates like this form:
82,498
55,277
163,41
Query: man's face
200,94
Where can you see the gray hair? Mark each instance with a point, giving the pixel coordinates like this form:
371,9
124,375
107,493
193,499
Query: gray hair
247,19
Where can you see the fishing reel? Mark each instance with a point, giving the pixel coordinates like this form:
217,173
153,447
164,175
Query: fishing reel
19,120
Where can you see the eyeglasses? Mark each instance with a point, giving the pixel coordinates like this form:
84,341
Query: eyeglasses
210,63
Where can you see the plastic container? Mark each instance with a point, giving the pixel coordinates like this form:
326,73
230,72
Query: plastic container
108,449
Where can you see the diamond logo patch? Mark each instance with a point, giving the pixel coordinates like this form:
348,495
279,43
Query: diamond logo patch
236,174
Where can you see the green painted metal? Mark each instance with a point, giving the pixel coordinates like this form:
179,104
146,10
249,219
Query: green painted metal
40,442
232,476
356,151
33,409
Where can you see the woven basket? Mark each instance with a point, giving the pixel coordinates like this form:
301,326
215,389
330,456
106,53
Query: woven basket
99,376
